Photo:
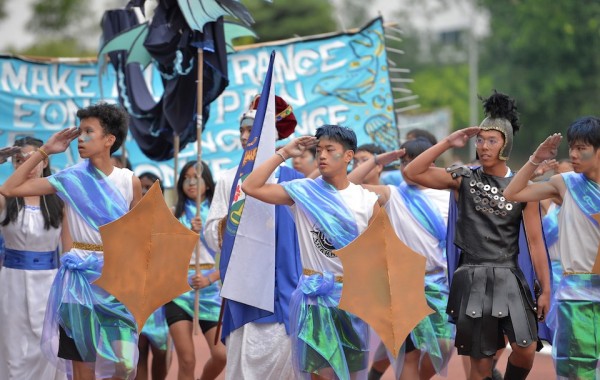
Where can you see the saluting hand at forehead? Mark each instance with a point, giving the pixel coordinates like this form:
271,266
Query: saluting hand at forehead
296,147
59,142
548,149
8,152
459,138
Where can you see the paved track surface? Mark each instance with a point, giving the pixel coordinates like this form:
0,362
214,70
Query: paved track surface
543,368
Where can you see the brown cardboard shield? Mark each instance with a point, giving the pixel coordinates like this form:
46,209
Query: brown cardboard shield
384,282
146,256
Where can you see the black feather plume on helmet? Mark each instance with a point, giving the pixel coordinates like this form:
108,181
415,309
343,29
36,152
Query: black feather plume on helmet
501,106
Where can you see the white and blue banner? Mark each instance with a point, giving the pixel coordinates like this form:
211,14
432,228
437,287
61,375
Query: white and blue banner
338,79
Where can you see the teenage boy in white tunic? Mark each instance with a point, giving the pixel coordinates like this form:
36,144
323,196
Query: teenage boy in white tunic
330,212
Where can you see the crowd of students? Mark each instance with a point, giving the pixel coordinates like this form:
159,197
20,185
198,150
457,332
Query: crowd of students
497,269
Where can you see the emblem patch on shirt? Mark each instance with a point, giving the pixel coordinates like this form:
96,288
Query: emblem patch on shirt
321,243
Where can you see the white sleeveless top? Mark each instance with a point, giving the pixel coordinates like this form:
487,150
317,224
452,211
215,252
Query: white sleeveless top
27,233
410,231
81,231
578,238
315,251
553,249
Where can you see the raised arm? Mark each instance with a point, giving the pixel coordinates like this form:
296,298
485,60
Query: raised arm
382,191
256,184
421,170
358,174
521,190
539,259
5,153
18,185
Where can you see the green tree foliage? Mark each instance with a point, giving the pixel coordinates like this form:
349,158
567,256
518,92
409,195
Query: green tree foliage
354,13
447,86
56,16
547,55
289,18
58,48
2,9
438,80
59,22
59,26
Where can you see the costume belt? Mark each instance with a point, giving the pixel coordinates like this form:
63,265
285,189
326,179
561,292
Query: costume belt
505,262
30,260
568,273
310,272
435,271
201,266
88,246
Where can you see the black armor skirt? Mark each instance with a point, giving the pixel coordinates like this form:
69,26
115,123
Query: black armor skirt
490,299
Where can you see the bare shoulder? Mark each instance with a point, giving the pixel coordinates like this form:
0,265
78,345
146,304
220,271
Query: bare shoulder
558,182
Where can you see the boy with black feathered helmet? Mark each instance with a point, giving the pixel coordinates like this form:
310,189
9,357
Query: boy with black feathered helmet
489,295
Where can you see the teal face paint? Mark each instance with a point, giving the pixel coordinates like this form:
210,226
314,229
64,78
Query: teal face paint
86,138
587,156
337,156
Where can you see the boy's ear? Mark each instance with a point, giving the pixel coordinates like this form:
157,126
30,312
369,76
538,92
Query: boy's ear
110,140
348,156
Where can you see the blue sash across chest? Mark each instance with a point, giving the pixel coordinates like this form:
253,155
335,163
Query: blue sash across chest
324,206
424,211
585,192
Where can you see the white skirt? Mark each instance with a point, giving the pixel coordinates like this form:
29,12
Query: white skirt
23,298
259,351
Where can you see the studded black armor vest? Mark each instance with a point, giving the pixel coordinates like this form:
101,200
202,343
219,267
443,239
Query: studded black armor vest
488,225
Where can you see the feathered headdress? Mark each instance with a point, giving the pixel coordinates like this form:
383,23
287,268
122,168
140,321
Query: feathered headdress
502,116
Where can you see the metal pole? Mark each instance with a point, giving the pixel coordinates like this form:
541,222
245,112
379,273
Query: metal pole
473,82
199,121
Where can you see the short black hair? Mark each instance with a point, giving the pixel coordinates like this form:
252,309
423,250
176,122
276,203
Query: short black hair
371,148
415,147
422,133
113,119
585,130
153,178
339,134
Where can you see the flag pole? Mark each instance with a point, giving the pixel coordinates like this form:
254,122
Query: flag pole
199,121
175,159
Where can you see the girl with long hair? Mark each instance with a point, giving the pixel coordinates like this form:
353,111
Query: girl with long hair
180,311
32,228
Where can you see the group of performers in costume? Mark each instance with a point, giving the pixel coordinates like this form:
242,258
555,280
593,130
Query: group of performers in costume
483,241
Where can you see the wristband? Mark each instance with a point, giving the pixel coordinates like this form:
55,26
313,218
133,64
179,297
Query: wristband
375,159
209,281
283,159
43,153
533,163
